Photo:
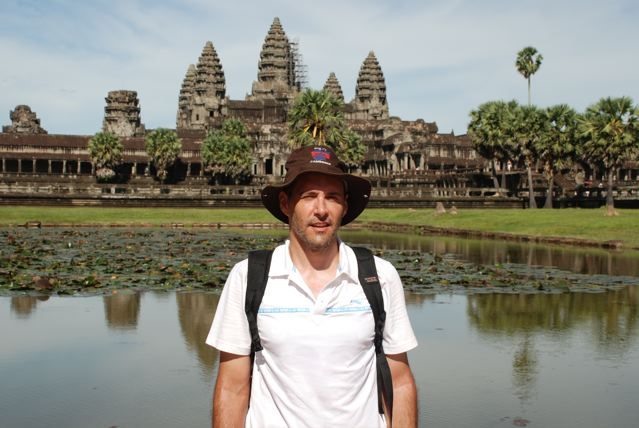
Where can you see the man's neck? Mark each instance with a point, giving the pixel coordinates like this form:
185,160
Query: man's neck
317,267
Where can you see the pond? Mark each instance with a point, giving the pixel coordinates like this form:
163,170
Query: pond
556,346
485,360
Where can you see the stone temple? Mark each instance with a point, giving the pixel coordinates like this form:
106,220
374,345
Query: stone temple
407,161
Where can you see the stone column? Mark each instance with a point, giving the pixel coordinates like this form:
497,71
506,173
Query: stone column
79,163
4,165
49,168
33,166
188,169
134,169
64,167
19,166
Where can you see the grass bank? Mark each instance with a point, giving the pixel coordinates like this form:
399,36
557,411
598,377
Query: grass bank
588,224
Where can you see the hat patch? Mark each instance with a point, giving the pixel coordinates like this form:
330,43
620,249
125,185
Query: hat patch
320,155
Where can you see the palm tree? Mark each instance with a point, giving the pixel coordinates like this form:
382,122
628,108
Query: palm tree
557,145
227,151
529,125
610,132
527,63
351,149
490,130
163,147
315,117
105,151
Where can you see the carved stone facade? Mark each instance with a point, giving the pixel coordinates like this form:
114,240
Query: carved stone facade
410,153
23,121
122,114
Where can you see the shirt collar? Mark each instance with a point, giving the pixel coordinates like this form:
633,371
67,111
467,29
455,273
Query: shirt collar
282,265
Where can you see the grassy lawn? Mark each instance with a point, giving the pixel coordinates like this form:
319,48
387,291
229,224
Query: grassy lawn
576,223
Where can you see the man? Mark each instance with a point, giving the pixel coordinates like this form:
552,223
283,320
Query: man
317,367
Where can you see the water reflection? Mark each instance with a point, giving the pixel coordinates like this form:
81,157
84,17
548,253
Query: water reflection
612,315
121,310
591,261
195,313
611,318
23,306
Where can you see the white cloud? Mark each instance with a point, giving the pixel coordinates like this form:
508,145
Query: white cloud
440,58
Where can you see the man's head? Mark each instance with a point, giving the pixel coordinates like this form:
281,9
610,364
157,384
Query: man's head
319,161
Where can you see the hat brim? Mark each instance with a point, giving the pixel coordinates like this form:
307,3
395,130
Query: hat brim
359,190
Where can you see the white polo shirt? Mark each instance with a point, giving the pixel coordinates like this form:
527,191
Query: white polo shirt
317,368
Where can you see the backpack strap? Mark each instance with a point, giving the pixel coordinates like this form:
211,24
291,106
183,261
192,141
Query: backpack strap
259,262
369,281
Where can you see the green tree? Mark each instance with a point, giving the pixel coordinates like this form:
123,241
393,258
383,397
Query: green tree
163,147
226,152
491,132
556,147
316,118
105,151
527,63
529,126
609,129
351,150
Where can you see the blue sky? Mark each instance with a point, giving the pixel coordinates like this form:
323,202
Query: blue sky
441,59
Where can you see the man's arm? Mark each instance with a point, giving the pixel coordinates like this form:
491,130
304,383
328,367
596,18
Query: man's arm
232,390
404,392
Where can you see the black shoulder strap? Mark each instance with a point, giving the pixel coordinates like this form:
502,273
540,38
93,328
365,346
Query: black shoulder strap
259,262
373,291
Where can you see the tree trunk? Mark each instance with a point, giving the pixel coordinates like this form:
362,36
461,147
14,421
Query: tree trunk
610,202
494,170
549,192
531,190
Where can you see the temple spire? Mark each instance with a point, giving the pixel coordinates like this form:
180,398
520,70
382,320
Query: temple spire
203,91
276,68
332,85
370,92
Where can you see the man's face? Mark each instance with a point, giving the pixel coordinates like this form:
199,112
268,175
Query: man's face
315,206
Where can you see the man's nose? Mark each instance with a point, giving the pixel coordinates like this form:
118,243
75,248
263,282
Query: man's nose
321,208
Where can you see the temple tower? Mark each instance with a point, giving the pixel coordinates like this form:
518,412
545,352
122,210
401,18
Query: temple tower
203,90
332,85
370,92
23,121
122,114
186,98
276,68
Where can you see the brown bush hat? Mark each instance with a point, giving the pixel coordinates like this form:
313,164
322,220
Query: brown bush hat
321,159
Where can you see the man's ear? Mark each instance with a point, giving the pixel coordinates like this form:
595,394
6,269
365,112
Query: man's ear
284,205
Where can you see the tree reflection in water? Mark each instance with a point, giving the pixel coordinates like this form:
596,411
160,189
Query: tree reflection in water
122,309
612,317
195,312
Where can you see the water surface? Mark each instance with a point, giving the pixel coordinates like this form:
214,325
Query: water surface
484,360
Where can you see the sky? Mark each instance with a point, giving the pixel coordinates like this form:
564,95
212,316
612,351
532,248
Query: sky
440,59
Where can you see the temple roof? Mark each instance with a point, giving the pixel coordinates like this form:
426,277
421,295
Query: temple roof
332,85
276,61
188,85
370,82
209,75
